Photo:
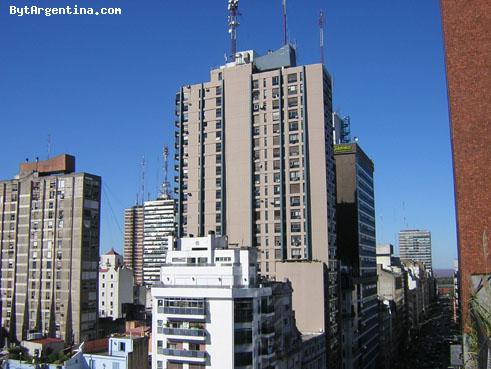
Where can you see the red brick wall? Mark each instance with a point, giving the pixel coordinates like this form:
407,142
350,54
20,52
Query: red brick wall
467,34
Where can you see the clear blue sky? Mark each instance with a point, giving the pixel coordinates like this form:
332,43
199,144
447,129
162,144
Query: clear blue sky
103,88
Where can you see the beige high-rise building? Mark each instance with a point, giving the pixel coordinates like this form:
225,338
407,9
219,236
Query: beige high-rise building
254,161
49,240
133,241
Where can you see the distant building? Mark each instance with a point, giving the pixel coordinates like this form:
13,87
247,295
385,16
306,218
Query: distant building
415,244
211,311
355,219
158,225
50,217
115,285
417,292
133,241
341,129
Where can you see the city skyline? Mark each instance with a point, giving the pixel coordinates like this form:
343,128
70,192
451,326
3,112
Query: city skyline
411,191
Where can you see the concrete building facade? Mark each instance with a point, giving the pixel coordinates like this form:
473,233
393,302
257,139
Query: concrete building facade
116,283
158,225
210,310
49,240
133,241
254,161
355,211
415,244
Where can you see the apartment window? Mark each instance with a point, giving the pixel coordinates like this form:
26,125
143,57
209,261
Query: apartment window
219,124
293,126
296,227
292,102
292,78
293,138
294,176
218,101
276,116
292,90
218,90
276,104
294,150
292,114
295,201
295,214
255,84
218,112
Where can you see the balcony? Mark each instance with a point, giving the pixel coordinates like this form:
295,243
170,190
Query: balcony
182,332
184,355
182,310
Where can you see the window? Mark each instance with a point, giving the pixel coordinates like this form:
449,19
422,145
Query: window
276,81
293,138
292,90
255,84
276,104
292,78
296,227
122,346
295,175
295,200
295,214
292,114
292,102
293,126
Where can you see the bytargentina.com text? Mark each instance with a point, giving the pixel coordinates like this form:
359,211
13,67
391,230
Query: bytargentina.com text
67,10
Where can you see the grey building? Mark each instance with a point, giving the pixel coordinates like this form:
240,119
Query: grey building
355,210
49,240
254,161
133,241
415,244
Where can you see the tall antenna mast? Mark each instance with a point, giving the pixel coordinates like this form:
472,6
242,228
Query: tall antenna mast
321,34
142,184
233,23
285,36
165,185
49,146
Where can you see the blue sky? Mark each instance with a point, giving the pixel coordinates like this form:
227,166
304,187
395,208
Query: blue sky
103,89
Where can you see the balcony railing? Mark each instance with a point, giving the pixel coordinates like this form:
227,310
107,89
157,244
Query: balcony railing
182,332
182,311
182,353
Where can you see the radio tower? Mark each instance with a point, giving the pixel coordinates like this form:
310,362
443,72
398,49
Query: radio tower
321,34
233,23
165,191
285,36
142,179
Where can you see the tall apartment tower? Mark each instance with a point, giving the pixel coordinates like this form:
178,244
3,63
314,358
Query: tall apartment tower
158,225
254,161
133,241
355,210
49,239
415,244
467,36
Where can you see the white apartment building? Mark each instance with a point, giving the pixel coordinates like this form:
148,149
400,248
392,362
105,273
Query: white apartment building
115,285
158,225
209,311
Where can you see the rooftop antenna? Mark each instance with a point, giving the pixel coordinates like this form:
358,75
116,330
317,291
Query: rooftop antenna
285,36
142,184
321,34
164,192
233,23
49,146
